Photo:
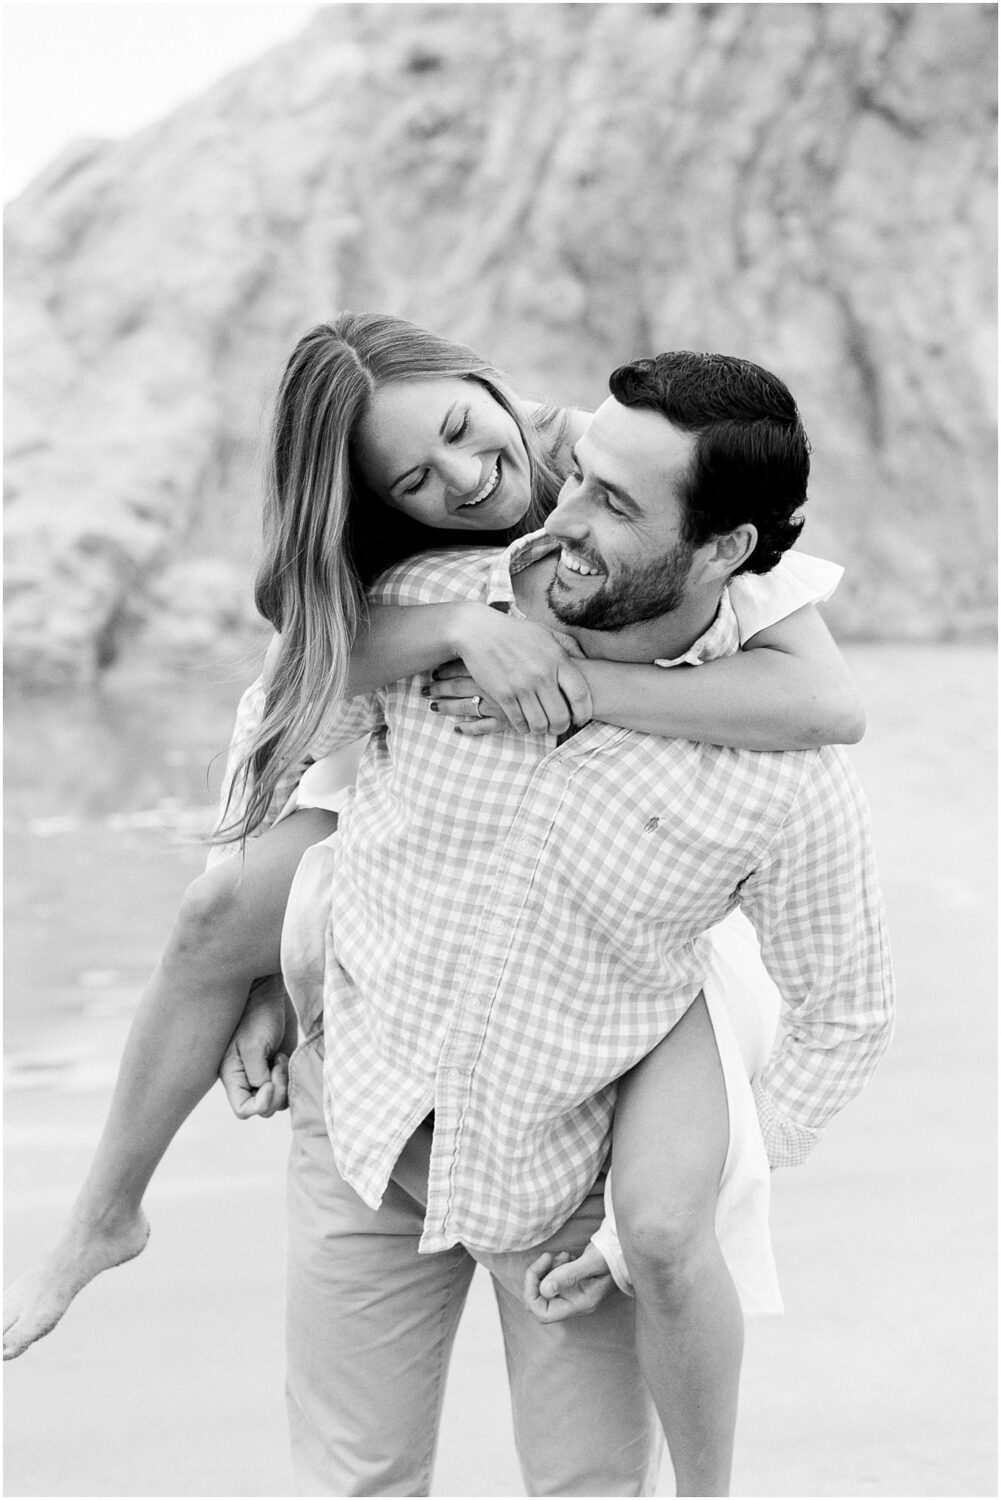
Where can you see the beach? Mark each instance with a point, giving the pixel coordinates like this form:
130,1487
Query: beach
166,1377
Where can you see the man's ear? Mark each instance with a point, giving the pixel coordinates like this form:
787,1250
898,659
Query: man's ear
734,548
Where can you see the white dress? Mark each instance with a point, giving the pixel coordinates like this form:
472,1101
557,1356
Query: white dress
741,999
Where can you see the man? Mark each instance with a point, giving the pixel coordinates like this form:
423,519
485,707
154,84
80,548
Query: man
500,930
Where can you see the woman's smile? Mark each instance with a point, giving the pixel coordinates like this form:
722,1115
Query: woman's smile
446,453
489,489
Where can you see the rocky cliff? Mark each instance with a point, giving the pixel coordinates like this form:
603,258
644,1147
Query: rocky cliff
562,186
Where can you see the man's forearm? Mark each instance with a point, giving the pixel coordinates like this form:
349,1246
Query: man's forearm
817,908
807,1083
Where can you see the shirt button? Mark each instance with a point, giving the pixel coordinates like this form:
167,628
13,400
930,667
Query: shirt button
526,846
497,924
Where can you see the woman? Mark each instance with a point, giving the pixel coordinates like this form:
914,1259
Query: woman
387,440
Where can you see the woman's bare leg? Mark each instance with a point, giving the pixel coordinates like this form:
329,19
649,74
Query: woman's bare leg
669,1147
226,935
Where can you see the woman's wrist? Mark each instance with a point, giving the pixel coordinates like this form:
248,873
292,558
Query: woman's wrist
595,674
463,623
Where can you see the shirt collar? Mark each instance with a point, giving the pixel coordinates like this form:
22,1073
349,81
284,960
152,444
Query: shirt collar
721,639
519,555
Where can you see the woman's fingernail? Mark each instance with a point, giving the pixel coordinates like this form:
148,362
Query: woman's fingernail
425,692
434,675
433,707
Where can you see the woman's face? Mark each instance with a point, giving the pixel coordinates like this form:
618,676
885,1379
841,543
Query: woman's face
446,453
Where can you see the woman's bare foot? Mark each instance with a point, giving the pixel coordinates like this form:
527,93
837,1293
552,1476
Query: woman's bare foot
33,1305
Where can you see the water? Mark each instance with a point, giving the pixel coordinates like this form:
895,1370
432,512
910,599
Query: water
108,794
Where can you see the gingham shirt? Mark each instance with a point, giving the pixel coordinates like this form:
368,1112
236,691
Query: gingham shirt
758,600
504,925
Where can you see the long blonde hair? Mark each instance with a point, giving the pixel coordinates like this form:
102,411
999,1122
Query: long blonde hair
326,537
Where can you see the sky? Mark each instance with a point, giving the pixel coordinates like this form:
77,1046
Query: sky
108,67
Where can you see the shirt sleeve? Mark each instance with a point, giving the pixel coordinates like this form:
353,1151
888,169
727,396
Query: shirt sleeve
762,599
605,1239
344,722
444,576
817,908
249,712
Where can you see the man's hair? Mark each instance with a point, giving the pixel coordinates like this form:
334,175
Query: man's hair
751,459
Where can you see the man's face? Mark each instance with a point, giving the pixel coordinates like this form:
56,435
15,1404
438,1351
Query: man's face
619,520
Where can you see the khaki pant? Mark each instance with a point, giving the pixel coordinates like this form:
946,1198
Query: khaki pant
371,1325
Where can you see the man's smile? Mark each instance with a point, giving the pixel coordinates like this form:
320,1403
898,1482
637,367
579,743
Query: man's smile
580,567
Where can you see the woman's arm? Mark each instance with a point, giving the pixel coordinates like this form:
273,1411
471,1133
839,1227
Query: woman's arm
789,688
526,673
530,679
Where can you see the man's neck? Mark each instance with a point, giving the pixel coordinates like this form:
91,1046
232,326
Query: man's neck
663,639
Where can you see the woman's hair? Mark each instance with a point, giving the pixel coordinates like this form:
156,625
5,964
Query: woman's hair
326,537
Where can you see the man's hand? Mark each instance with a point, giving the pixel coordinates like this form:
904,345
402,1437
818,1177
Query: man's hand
254,1069
561,1286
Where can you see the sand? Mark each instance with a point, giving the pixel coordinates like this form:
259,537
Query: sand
166,1376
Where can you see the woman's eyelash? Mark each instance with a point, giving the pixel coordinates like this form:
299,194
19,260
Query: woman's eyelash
460,432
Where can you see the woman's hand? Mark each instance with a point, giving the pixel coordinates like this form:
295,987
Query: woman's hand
565,1286
518,671
454,693
254,1069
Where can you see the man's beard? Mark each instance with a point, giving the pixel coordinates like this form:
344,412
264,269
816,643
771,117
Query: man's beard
629,596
